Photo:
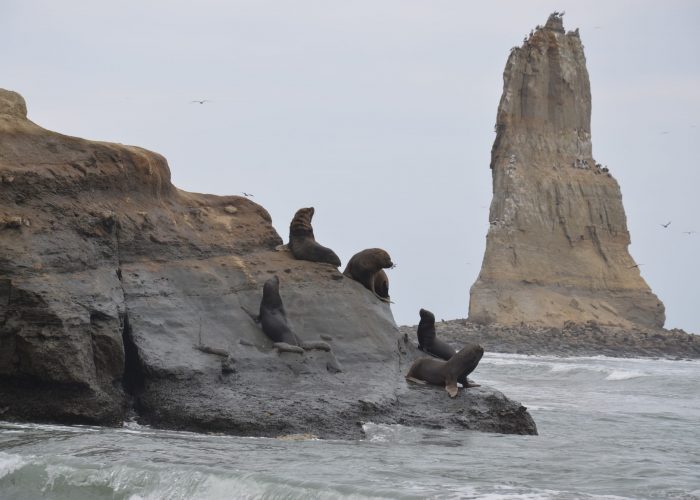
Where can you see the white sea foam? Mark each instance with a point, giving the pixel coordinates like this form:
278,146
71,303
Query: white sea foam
624,375
503,492
608,367
380,433
10,463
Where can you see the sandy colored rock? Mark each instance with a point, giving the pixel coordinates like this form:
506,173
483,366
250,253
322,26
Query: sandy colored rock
12,104
557,246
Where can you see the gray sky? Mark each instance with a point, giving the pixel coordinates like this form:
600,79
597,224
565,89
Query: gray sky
379,113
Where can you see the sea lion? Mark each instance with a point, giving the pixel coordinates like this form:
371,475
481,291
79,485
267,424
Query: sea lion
427,339
364,267
302,242
447,373
273,319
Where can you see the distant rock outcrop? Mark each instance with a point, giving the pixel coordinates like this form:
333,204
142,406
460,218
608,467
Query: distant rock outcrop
556,249
121,295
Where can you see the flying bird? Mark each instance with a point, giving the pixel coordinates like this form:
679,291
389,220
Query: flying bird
248,195
664,132
667,224
200,101
636,265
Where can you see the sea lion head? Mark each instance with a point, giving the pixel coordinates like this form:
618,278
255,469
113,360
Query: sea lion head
301,223
382,258
465,361
426,329
271,292
426,316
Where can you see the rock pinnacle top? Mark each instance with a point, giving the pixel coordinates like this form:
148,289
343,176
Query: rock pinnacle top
11,103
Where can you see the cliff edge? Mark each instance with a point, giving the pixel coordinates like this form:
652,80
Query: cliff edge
557,245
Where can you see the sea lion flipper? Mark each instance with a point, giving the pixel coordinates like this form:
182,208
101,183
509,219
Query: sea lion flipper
383,299
254,317
451,386
285,347
415,380
315,344
212,350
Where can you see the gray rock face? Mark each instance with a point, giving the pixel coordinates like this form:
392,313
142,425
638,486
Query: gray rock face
556,249
120,293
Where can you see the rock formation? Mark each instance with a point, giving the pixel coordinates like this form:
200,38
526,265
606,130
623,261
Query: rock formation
556,250
122,295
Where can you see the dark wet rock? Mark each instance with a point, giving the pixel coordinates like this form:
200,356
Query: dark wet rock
125,294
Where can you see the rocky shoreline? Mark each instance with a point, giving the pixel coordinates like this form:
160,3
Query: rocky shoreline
572,339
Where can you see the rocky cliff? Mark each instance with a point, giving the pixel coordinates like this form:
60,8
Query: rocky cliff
557,246
121,295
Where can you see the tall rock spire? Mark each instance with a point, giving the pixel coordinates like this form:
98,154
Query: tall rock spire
556,249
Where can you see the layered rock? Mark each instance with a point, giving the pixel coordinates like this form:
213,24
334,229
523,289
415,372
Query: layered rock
123,295
557,246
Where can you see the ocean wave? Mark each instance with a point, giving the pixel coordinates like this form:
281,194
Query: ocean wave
624,375
382,433
67,481
503,492
595,366
78,429
10,463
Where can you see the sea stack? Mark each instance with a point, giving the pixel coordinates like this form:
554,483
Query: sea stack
557,245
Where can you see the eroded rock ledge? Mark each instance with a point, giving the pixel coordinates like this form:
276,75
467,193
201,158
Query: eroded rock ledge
121,294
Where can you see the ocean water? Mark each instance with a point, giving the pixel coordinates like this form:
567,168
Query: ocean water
609,428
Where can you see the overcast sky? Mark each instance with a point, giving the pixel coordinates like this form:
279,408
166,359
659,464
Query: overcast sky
379,113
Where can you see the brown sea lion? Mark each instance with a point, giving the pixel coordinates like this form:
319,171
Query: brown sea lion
364,267
447,373
427,339
302,242
273,319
